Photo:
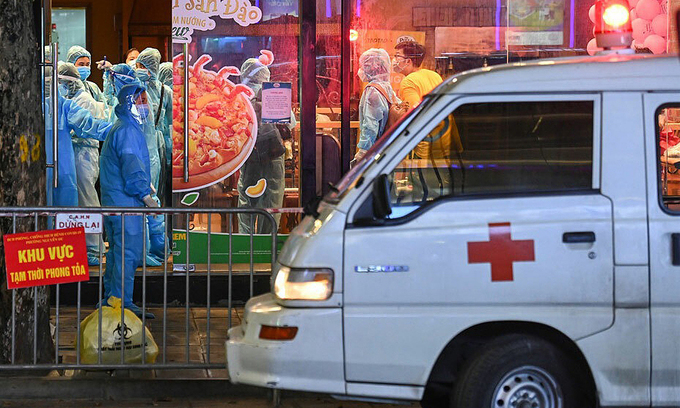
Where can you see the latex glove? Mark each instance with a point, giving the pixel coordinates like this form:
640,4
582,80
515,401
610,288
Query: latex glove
360,154
150,202
104,64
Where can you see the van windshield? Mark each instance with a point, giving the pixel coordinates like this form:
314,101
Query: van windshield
350,179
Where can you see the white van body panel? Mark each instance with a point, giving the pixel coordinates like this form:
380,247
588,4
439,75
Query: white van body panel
386,391
619,359
623,175
445,294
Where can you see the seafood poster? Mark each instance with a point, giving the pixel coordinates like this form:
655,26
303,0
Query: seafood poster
277,102
222,125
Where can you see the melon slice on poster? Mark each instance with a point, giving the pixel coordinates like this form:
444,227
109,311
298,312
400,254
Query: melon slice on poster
258,189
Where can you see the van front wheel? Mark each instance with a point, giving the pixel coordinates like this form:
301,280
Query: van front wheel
517,371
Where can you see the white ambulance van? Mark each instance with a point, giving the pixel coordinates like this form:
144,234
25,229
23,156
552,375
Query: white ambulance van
513,242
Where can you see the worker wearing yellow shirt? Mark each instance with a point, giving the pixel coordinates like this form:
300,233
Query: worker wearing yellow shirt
417,83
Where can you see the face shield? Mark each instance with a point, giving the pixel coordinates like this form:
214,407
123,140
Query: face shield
139,107
119,76
254,73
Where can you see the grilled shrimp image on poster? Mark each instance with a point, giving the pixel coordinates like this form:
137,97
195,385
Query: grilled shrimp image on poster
222,125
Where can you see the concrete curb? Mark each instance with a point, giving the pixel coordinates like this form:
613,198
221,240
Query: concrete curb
123,389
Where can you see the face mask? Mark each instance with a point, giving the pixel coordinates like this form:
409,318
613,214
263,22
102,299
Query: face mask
396,67
142,74
84,72
362,75
132,64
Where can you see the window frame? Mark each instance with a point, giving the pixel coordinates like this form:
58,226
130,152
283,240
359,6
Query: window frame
657,156
459,100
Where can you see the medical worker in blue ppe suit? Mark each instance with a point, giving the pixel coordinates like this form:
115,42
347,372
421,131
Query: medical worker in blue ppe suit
126,182
160,102
76,120
86,153
81,58
115,78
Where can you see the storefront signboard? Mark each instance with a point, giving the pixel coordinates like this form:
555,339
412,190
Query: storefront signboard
535,22
191,15
219,247
46,258
277,102
91,222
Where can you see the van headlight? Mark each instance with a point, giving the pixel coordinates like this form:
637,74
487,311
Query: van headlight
303,284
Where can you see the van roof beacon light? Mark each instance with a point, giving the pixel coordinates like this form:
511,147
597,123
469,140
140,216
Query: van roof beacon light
612,24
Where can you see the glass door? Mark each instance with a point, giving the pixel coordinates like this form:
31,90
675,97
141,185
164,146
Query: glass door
50,51
238,145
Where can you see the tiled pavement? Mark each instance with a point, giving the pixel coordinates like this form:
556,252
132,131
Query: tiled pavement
202,350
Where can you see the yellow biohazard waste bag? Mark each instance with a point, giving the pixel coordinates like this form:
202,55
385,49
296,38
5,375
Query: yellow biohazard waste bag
115,334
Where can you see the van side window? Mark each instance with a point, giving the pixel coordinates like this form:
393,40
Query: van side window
499,148
668,120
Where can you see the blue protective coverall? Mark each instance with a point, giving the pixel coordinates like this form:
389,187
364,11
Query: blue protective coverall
71,118
158,138
125,181
115,78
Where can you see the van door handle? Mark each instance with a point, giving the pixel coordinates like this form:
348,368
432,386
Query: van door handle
675,248
578,237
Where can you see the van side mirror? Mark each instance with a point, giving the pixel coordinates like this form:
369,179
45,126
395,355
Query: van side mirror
381,197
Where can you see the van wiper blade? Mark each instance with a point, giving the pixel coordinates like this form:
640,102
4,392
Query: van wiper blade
311,208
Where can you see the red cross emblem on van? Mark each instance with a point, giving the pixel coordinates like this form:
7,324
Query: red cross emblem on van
501,251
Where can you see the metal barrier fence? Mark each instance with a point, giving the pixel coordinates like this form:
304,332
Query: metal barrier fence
38,218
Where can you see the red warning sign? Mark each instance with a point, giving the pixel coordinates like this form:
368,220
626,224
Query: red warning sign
46,258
